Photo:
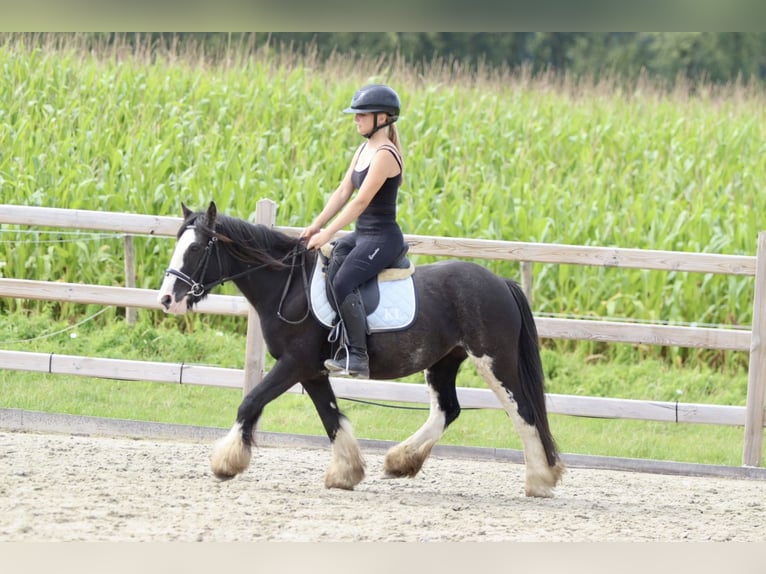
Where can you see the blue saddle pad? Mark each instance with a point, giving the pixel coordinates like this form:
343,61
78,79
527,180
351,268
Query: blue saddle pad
394,312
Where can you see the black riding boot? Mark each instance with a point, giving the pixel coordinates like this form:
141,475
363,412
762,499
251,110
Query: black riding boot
354,362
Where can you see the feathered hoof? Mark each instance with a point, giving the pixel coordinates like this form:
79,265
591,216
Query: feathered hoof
542,485
347,467
344,479
404,461
231,456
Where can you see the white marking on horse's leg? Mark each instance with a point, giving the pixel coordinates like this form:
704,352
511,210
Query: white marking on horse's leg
230,454
176,262
408,457
541,478
347,466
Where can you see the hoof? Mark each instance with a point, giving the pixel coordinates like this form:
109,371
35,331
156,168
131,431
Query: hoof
231,455
332,482
391,475
542,484
347,467
538,492
406,460
223,477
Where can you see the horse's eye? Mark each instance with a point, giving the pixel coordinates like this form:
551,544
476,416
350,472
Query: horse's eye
194,247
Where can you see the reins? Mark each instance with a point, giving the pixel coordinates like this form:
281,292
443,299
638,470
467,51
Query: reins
197,288
298,250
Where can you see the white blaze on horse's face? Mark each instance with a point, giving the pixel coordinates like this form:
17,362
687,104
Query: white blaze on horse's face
167,297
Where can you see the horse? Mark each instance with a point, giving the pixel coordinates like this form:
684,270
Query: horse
463,310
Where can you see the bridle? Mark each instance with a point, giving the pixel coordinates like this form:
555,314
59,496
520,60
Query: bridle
197,288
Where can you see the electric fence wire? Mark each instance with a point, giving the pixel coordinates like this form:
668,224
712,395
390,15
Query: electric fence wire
63,236
60,331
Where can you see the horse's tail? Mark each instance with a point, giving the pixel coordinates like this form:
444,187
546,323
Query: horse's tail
531,372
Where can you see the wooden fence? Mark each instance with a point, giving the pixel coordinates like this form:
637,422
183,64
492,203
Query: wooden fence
751,416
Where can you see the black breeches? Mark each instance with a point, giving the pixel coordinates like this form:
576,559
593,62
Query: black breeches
366,255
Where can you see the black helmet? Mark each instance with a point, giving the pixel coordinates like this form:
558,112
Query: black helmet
375,98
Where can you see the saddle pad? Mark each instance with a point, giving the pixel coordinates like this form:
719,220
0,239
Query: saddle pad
395,311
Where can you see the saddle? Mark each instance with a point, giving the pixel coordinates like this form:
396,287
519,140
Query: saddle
389,298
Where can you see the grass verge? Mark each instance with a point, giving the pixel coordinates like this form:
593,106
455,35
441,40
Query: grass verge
196,340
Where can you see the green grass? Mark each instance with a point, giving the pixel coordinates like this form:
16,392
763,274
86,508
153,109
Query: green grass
195,340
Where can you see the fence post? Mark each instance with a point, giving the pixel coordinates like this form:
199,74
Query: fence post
130,275
756,376
255,348
526,279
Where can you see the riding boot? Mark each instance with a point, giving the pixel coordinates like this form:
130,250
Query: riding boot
355,363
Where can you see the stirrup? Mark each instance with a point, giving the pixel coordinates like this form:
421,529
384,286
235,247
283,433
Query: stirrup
340,368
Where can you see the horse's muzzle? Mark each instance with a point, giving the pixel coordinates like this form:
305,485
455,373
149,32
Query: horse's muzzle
171,305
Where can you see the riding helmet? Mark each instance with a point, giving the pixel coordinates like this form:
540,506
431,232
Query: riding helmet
375,98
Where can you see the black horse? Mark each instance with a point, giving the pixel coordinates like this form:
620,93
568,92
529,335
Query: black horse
463,310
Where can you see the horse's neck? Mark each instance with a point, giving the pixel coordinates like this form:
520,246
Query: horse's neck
265,286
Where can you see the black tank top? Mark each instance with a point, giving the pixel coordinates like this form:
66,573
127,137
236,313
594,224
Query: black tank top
382,208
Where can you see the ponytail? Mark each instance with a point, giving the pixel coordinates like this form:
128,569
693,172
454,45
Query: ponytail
393,135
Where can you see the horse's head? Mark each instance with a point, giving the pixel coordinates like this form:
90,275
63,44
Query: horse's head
195,265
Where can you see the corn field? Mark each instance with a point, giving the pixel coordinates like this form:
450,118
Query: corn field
488,155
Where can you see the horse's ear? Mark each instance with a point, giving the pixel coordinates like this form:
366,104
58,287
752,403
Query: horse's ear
212,211
186,211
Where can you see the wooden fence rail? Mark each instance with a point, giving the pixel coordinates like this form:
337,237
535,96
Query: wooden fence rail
751,416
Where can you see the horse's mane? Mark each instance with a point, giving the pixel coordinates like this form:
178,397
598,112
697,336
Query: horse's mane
249,242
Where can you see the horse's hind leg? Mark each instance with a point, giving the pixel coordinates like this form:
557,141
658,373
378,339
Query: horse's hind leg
408,457
542,474
347,467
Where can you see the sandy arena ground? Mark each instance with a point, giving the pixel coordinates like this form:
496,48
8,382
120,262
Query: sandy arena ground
58,487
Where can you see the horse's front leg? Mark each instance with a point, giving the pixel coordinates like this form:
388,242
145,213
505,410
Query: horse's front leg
347,466
231,454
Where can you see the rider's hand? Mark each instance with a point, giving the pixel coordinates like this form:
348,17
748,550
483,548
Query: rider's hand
309,231
318,239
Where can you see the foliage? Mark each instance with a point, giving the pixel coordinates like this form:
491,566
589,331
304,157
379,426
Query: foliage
718,57
134,127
